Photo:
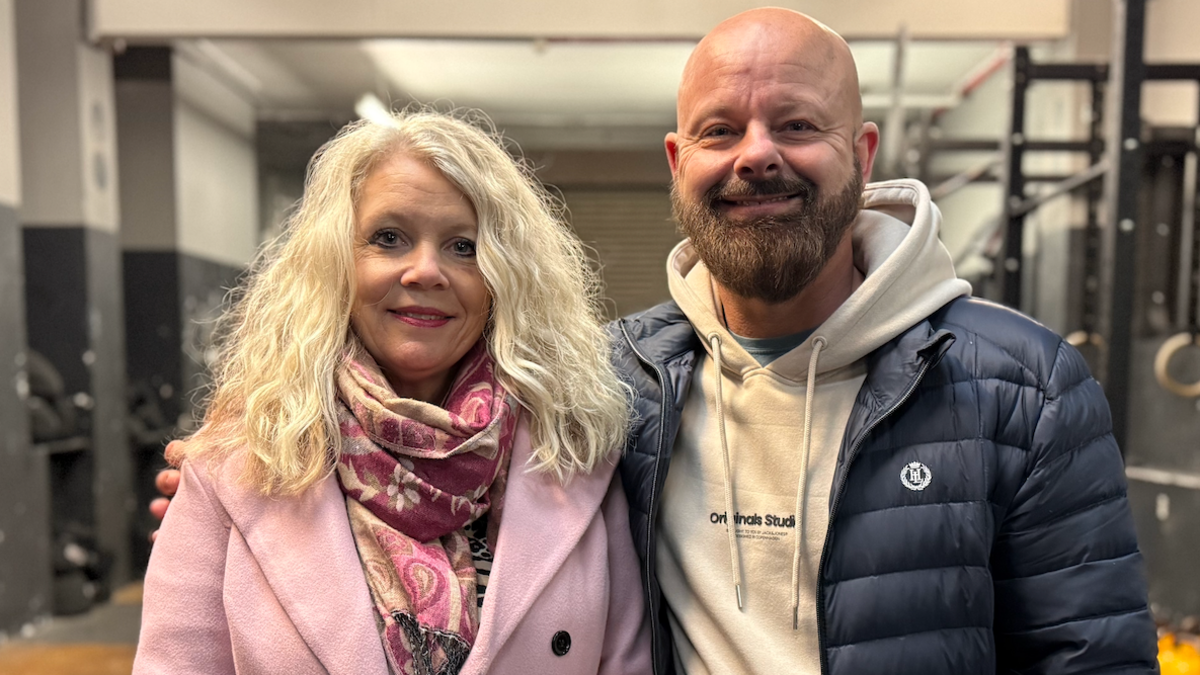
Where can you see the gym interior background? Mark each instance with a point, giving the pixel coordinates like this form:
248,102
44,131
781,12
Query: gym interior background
147,148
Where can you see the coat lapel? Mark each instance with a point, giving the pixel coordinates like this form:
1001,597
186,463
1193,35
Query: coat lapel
305,550
542,522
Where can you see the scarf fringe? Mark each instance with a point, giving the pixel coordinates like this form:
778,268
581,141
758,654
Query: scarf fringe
425,642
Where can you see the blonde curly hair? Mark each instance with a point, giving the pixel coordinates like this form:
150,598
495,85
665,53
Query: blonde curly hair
288,331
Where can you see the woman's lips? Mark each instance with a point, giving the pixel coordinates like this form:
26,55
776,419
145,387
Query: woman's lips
422,317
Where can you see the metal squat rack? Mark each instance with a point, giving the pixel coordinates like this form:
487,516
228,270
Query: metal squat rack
1114,148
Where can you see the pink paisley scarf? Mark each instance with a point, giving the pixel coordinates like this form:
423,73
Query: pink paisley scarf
415,475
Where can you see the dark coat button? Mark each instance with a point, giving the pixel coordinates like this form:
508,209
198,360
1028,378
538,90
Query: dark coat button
561,643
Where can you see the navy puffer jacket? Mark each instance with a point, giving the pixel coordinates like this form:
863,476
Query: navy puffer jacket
1020,557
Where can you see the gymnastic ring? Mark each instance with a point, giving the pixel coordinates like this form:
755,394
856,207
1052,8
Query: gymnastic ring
1162,359
1080,338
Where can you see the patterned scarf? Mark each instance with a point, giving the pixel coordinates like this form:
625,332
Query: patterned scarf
415,475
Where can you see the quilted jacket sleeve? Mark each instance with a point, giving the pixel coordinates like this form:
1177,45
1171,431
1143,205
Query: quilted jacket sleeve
183,615
1070,589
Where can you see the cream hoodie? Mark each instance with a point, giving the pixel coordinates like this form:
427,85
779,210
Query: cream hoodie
747,603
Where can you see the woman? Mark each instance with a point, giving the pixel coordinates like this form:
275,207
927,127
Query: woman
414,380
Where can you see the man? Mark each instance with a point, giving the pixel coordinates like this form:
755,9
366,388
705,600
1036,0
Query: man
842,463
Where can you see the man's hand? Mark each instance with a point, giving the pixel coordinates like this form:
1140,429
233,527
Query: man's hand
167,483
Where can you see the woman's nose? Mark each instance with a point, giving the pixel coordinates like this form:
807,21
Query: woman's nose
423,268
758,156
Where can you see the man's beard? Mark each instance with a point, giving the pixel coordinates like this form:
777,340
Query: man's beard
771,258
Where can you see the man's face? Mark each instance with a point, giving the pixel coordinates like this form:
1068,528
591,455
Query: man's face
772,256
767,163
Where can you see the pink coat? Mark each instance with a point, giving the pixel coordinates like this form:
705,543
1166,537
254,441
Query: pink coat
241,583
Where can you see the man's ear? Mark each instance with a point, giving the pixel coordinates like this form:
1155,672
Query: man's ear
865,147
672,146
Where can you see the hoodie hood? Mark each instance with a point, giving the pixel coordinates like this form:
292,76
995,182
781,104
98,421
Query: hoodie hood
909,275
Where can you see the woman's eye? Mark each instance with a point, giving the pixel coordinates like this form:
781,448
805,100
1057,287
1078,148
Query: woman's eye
463,247
386,238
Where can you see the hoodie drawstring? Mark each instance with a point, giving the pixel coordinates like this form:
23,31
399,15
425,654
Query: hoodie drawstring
809,395
734,560
819,343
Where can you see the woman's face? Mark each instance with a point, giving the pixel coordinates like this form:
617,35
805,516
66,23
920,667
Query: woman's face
421,302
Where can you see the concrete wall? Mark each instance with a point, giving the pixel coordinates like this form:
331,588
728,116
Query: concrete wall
25,580
193,216
187,144
1171,37
146,129
70,216
51,133
191,225
1054,111
217,202
217,194
68,134
983,115
96,115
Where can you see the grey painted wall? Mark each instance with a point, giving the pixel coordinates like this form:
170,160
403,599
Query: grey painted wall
189,224
1168,527
24,485
152,333
177,298
70,217
25,585
172,299
203,285
74,314
112,481
215,168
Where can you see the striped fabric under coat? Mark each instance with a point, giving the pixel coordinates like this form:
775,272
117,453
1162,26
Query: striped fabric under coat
481,556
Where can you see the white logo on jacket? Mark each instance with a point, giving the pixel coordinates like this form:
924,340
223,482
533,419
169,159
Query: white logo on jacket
915,476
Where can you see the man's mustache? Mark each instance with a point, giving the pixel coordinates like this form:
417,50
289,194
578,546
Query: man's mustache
780,185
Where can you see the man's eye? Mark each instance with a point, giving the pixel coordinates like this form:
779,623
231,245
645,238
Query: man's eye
463,247
717,132
799,126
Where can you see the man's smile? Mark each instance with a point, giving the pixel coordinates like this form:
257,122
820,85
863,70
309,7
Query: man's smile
759,205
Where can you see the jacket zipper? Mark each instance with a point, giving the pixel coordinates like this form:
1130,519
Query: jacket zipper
912,386
668,399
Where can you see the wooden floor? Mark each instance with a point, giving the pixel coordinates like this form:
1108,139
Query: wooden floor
66,659
101,642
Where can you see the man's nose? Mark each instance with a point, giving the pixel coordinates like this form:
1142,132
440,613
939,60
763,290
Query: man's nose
423,268
758,157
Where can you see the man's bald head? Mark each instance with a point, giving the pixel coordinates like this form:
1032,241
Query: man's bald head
771,153
757,39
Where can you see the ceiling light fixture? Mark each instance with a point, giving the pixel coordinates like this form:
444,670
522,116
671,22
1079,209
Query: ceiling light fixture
369,107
